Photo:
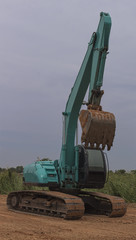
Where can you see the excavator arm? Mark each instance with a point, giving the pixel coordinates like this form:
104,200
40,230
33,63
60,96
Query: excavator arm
99,54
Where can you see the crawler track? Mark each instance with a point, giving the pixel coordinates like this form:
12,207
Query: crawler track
64,205
105,204
47,203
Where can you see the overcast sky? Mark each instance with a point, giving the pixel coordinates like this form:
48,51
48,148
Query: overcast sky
42,45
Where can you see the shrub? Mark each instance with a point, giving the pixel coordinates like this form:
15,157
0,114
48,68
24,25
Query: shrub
121,171
119,184
10,181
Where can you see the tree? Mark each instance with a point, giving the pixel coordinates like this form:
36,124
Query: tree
121,171
19,169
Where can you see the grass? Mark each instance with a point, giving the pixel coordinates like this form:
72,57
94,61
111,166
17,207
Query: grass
119,184
122,185
10,181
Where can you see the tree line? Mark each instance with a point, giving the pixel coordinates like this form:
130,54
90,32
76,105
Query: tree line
18,169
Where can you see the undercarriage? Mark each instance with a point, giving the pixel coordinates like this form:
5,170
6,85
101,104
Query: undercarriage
64,205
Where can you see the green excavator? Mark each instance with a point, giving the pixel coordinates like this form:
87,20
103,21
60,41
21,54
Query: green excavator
83,166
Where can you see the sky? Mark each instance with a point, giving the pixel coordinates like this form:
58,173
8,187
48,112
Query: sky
42,46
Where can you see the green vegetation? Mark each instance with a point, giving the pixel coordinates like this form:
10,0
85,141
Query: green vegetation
10,181
18,169
120,183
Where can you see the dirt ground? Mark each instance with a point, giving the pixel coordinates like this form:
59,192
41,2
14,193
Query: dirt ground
20,226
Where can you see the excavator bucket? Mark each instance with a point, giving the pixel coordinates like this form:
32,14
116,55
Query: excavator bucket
98,128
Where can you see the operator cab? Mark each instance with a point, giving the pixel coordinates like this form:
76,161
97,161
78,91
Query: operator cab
92,168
